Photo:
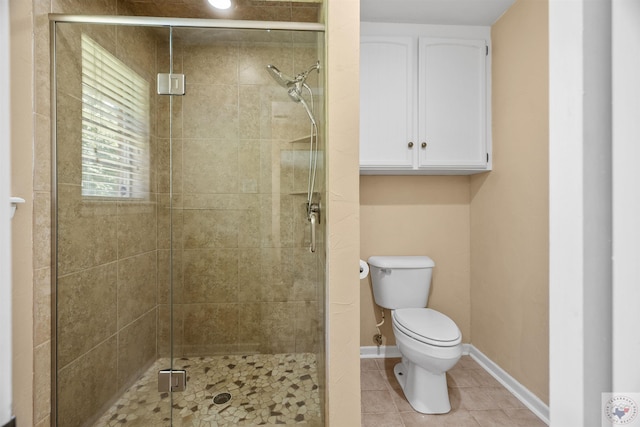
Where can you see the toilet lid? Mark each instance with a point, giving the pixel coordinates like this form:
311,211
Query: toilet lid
428,326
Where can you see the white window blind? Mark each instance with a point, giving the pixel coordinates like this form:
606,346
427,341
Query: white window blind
115,126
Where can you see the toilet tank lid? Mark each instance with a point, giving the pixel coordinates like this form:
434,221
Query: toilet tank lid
401,262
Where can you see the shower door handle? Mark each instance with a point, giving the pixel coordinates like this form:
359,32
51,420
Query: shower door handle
313,219
313,215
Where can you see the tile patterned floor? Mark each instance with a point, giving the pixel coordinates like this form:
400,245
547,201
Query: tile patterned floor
477,399
269,390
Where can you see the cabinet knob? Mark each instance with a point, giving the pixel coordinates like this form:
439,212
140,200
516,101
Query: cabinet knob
410,144
423,145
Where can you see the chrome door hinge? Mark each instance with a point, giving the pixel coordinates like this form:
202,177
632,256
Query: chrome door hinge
170,380
170,84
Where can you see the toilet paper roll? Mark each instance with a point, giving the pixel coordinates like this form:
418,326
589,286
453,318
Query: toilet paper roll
364,269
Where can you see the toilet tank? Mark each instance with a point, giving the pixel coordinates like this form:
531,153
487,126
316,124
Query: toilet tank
401,281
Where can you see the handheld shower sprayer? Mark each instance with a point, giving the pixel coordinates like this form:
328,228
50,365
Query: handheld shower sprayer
296,96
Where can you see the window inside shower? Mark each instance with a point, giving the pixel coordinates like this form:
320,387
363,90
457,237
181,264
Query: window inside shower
185,245
115,126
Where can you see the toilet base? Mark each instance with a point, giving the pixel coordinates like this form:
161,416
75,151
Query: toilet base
426,392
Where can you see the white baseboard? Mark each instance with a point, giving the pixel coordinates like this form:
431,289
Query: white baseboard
527,398
377,352
523,394
384,351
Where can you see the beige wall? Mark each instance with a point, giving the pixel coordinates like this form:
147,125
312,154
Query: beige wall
343,228
417,215
509,206
22,185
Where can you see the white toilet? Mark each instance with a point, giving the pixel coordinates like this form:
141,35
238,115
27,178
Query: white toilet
429,341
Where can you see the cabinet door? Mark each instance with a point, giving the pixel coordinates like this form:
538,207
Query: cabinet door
452,104
387,102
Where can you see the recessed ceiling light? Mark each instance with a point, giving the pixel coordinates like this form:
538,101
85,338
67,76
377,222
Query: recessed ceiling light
220,4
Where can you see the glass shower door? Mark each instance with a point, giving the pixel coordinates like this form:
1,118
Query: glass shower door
111,247
186,289
247,292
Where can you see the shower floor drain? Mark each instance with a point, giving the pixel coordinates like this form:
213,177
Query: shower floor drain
222,398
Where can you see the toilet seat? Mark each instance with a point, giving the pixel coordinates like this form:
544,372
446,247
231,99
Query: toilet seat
427,326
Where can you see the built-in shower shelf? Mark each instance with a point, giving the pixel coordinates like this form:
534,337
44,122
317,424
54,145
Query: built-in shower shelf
304,139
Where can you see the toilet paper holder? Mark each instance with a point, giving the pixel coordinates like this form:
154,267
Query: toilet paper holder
364,269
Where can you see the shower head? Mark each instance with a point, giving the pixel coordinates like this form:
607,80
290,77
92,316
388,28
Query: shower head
289,82
294,85
282,79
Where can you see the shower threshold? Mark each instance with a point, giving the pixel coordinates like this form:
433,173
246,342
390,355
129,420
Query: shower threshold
265,389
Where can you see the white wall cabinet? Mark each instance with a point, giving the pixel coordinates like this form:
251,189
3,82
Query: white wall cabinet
424,106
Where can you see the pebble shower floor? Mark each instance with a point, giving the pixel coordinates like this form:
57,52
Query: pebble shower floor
266,389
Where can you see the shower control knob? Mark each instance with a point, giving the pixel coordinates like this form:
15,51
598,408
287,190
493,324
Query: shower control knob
410,144
423,145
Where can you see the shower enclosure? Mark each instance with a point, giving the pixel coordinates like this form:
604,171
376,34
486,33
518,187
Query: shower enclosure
189,238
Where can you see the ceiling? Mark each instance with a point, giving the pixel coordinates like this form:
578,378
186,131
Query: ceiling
253,10
436,12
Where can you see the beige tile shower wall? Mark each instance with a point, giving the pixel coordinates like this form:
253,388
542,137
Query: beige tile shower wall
509,206
419,215
107,248
244,280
